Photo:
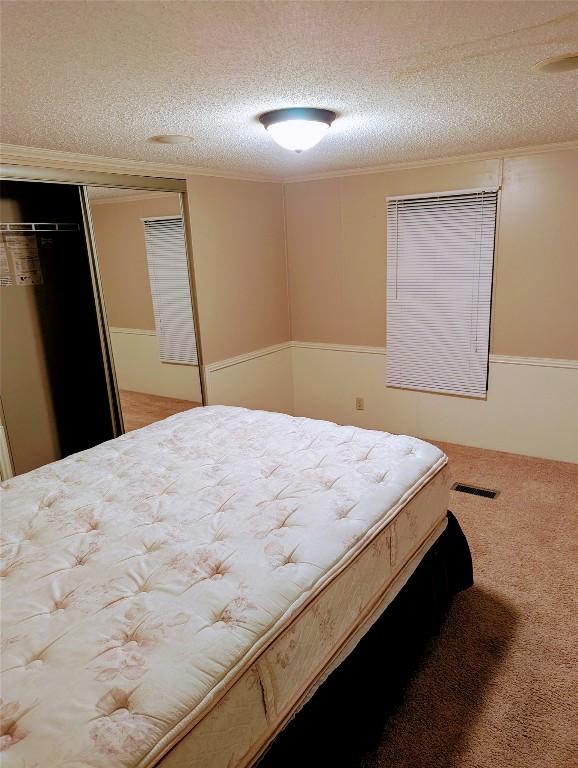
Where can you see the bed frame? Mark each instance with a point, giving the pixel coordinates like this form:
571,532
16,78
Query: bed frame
346,716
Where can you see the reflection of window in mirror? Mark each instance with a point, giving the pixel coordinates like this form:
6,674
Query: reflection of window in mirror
142,260
170,289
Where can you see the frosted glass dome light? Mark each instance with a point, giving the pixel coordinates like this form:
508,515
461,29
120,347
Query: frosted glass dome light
297,128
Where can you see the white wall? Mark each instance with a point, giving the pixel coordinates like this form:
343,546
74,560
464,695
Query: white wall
531,407
139,369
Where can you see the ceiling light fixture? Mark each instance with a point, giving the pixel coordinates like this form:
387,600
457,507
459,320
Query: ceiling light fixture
298,128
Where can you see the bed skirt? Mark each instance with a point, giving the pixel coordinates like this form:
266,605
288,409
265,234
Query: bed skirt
346,716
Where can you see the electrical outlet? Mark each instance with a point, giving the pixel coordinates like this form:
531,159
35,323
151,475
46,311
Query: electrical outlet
359,404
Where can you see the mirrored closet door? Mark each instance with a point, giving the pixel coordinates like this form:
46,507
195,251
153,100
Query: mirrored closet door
145,285
97,316
55,386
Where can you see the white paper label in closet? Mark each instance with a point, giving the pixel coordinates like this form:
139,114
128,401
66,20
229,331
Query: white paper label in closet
5,276
23,251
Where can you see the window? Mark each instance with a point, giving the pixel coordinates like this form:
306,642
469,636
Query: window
440,253
170,289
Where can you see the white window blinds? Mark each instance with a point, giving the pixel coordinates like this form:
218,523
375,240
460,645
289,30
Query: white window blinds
170,289
440,252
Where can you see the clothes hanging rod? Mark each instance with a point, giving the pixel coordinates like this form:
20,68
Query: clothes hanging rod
43,226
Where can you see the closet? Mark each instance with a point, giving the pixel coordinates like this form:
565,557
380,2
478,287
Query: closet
58,388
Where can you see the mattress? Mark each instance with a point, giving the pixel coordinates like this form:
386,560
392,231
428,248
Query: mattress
173,596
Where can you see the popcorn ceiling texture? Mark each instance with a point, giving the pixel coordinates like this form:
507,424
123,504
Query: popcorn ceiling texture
410,81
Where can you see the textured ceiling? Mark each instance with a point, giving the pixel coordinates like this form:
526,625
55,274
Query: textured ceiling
410,80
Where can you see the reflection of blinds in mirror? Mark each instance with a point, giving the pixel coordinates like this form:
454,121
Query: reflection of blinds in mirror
170,289
440,252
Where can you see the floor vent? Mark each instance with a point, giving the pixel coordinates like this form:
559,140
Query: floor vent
487,493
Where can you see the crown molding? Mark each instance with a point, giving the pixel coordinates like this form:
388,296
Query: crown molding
13,154
497,154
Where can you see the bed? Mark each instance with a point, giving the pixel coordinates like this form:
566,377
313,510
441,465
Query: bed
172,597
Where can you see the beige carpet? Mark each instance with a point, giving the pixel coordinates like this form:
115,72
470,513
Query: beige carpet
497,688
140,409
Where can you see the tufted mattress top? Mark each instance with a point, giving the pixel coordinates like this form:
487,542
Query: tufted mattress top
141,577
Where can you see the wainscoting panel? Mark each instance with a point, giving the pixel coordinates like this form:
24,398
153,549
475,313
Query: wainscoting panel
531,407
139,369
262,380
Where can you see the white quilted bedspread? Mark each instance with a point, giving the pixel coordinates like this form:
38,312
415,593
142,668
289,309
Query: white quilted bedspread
140,576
